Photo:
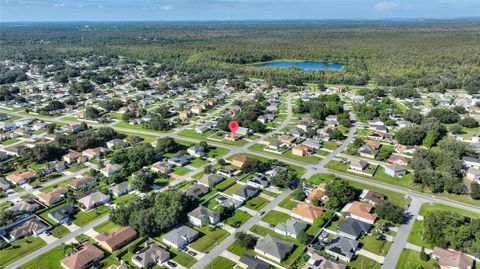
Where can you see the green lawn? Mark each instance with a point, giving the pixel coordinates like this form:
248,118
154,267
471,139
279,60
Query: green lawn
257,203
288,155
82,218
216,152
410,259
269,193
233,189
106,227
50,260
288,203
181,171
197,162
220,263
362,262
426,208
181,257
238,250
193,134
318,179
238,218
59,231
394,197
9,141
124,198
146,138
19,249
330,145
225,184
209,240
405,181
298,170
275,217
416,234
379,247
75,167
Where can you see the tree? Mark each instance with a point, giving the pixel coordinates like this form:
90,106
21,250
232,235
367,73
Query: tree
303,237
444,115
167,145
475,191
344,119
51,128
456,129
410,136
142,181
254,166
468,122
413,115
335,134
299,193
207,169
423,256
246,240
91,113
389,211
6,217
339,193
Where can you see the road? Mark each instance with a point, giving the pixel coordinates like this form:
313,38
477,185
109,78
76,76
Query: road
56,243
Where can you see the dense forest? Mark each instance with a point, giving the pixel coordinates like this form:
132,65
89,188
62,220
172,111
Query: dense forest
435,54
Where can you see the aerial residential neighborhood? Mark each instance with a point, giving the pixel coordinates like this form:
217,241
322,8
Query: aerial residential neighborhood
235,144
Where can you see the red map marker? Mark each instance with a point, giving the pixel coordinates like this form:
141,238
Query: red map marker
233,125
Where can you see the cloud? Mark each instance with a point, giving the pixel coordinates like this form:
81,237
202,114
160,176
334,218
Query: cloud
167,8
385,6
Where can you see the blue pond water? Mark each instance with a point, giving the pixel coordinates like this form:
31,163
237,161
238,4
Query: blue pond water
303,65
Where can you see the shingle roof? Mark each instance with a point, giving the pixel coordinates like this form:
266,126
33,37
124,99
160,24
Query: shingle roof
274,246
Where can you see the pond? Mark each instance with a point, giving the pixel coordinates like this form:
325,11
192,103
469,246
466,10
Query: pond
306,65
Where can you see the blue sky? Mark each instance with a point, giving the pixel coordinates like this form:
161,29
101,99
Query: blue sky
181,10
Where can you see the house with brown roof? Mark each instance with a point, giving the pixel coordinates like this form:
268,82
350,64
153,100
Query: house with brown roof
162,167
72,157
300,150
452,259
307,212
93,200
21,178
83,258
82,182
30,227
287,139
239,161
361,211
94,153
398,159
317,194
52,197
113,240
371,197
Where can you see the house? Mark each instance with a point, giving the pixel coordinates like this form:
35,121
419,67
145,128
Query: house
201,216
300,150
180,237
52,197
274,144
398,159
228,201
162,167
94,153
54,166
452,259
185,114
245,192
249,262
196,109
115,143
319,262
93,200
378,135
210,180
361,211
72,128
239,161
471,162
110,169
357,164
331,120
121,188
83,182
372,197
232,137
4,185
259,181
228,172
395,170
202,129
307,212
179,159
342,248
244,131
297,133
196,191
303,125
196,151
113,240
273,248
317,194
405,149
23,207
21,178
313,144
83,258
291,227
30,227
473,174
368,151
72,157
287,139
375,122
62,214
151,254
404,123
352,228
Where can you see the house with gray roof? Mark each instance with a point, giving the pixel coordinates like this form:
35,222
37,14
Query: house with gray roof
273,248
259,181
62,214
245,192
180,237
352,228
210,180
24,207
471,162
180,159
201,216
120,188
196,191
151,254
342,248
291,227
250,262
395,170
4,185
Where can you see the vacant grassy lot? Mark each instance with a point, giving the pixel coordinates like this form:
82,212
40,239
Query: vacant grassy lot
379,247
106,227
220,263
275,217
232,189
19,249
50,260
288,203
411,259
257,203
82,218
238,218
209,239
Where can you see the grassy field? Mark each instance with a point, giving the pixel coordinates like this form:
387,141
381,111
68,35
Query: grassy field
50,260
275,217
288,203
362,262
238,218
373,245
411,259
19,249
193,134
288,155
59,231
181,171
106,227
220,263
147,138
257,203
209,239
426,208
232,189
416,235
9,141
82,218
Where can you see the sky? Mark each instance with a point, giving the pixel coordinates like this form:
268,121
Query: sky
205,10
